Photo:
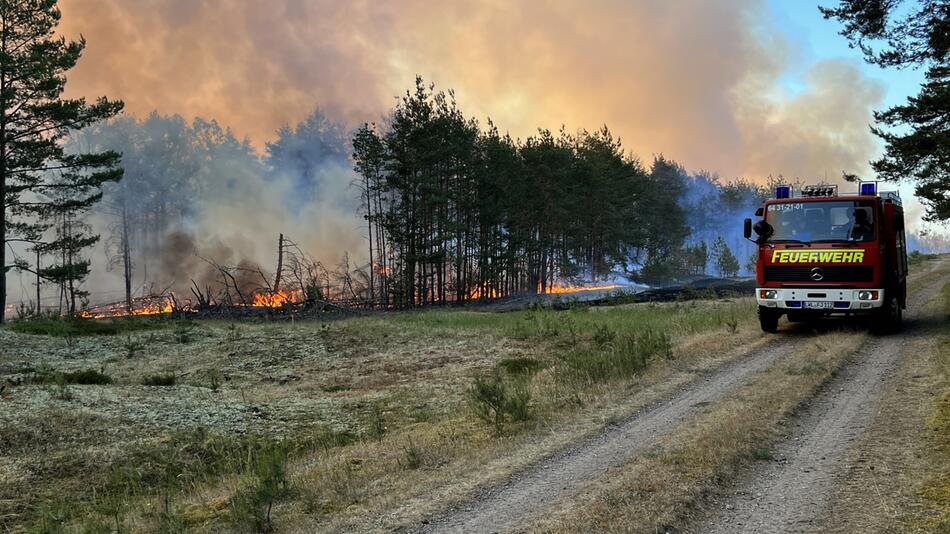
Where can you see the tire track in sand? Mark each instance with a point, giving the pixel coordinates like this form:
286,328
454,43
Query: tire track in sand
505,507
791,494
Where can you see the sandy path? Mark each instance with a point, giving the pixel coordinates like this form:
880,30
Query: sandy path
508,506
792,493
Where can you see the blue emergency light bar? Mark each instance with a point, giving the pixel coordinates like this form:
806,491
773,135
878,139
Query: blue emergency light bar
783,191
868,188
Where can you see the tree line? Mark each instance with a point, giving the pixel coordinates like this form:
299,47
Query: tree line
456,212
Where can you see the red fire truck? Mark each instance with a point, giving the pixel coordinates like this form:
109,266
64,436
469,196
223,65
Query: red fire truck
823,253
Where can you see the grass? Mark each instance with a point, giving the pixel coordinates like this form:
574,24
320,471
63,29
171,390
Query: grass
394,417
182,460
79,327
47,375
160,380
936,489
916,257
655,490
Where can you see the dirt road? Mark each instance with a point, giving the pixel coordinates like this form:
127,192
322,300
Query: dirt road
783,496
792,493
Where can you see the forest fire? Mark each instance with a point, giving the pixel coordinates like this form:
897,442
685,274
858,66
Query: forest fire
559,289
142,306
276,299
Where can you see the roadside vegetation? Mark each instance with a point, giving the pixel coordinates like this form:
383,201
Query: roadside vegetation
258,426
936,489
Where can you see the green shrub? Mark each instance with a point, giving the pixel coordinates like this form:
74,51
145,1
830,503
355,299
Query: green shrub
132,346
626,356
214,379
160,380
184,332
268,482
87,377
47,375
68,327
604,335
413,457
521,366
496,400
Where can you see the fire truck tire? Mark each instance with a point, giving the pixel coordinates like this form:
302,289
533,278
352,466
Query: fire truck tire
768,320
889,317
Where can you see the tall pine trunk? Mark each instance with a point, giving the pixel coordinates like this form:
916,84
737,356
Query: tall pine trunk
126,258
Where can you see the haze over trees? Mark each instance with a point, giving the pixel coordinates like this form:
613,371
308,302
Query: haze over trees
899,34
44,190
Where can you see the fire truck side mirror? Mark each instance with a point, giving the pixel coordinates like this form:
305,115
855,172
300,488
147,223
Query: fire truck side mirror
747,228
763,229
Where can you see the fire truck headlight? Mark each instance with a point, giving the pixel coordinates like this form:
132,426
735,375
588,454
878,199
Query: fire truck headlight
867,295
768,294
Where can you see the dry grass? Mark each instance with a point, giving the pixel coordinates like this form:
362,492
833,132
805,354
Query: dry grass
658,488
935,449
375,405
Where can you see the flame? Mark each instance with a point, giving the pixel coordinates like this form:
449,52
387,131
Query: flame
491,293
148,306
558,289
276,299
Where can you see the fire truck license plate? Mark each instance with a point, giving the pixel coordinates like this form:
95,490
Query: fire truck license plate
819,305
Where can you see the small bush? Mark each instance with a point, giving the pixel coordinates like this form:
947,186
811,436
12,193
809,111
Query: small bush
71,327
495,400
733,325
214,379
604,336
184,332
47,375
762,454
377,421
268,483
521,366
413,457
87,377
625,357
160,380
132,346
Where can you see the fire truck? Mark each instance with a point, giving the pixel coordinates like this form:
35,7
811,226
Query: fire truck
822,253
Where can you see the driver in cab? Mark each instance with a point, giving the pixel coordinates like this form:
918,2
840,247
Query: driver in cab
861,228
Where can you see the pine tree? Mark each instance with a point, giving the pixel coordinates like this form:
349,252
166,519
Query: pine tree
726,263
897,33
34,120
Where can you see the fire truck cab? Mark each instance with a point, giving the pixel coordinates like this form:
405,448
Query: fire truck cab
823,253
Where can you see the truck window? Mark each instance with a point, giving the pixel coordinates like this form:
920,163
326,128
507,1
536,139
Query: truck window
824,221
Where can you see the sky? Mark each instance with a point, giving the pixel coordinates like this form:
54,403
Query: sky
742,88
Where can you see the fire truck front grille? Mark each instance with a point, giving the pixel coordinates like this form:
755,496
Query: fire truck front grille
804,273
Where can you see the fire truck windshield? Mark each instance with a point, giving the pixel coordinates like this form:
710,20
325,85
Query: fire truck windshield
833,221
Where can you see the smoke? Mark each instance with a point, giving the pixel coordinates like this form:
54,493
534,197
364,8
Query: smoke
697,79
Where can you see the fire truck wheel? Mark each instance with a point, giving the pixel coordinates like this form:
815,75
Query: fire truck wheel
889,317
768,320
